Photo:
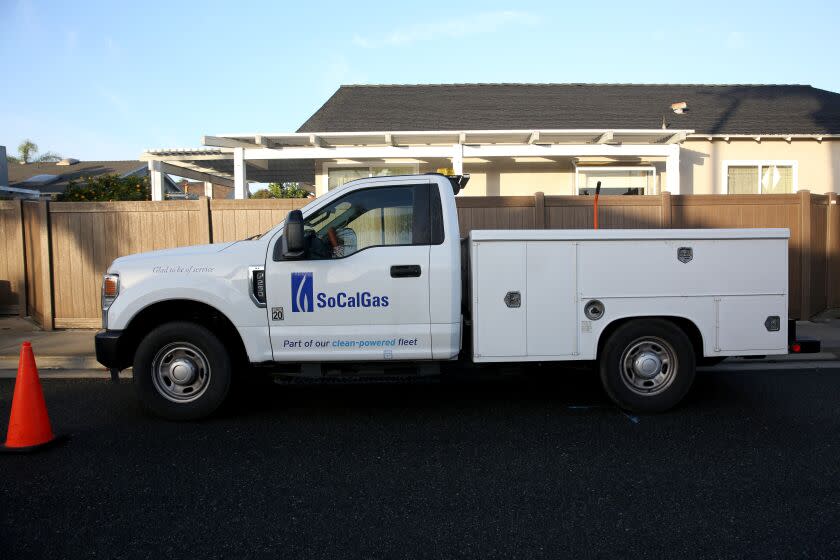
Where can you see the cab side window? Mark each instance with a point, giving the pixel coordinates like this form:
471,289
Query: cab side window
377,217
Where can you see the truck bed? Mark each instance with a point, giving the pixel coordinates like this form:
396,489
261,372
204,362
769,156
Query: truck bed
529,289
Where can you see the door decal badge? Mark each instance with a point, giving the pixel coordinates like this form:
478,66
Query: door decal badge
305,300
277,314
685,254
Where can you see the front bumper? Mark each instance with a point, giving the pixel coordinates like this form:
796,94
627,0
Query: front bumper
110,349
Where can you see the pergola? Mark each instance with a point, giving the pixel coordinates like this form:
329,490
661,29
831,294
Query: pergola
237,159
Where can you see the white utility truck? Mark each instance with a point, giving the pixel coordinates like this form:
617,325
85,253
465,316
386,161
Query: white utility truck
374,273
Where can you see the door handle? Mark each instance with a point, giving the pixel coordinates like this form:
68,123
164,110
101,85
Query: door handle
405,271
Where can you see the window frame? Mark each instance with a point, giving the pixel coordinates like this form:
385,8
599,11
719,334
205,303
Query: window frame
650,168
759,163
326,166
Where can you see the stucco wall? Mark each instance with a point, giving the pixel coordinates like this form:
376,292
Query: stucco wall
701,162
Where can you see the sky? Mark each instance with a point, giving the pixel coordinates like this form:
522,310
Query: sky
106,80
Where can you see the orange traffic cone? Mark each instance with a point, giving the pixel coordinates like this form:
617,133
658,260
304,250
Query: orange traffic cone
29,424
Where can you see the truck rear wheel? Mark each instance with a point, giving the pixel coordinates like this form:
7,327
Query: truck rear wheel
182,371
647,365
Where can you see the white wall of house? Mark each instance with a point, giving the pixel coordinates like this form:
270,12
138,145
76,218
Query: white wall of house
702,162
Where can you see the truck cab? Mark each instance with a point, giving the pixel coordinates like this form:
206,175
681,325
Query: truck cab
375,276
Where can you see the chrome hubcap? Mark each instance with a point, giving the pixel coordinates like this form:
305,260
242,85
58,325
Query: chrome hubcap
180,372
648,365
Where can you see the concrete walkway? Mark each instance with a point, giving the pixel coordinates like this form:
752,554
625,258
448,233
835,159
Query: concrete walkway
61,349
70,353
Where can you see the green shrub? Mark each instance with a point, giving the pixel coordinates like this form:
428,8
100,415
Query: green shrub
107,187
282,190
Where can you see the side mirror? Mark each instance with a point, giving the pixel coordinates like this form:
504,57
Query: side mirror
293,241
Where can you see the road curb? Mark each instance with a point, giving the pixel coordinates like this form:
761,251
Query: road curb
46,374
54,362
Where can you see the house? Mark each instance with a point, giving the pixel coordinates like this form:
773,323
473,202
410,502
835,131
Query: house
48,179
561,139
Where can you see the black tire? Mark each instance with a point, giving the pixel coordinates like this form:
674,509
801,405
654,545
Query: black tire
628,365
175,348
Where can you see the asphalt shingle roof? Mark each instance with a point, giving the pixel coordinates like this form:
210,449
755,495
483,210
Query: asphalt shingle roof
19,173
712,109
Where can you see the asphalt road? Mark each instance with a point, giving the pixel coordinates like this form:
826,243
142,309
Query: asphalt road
524,467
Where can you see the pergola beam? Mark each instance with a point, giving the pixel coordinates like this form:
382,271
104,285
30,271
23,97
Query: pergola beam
264,141
195,175
469,150
604,137
316,140
220,142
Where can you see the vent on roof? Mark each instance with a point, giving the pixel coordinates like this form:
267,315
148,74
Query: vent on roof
40,180
68,161
679,107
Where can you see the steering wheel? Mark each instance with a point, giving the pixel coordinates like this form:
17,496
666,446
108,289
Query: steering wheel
332,237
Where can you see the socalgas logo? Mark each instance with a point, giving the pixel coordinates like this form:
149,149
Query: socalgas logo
304,298
301,292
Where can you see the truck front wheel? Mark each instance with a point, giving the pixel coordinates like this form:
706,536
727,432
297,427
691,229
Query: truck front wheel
647,365
182,371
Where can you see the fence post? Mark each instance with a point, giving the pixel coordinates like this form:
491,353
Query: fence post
830,250
805,253
204,223
46,265
667,209
539,210
22,254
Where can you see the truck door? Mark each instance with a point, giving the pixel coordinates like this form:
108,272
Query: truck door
362,290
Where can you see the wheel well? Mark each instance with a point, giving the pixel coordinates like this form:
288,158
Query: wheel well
182,310
686,325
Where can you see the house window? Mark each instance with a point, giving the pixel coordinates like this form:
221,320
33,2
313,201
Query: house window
760,177
337,176
616,180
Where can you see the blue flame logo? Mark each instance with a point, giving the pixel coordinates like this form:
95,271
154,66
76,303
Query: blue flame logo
302,292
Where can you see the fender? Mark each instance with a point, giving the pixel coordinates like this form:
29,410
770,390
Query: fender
700,316
218,279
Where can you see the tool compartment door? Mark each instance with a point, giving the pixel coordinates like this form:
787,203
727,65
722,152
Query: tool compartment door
499,323
552,291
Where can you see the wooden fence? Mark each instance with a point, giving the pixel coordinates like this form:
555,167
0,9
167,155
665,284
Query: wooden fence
53,254
12,281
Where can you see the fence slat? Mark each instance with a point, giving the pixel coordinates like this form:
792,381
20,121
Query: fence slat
805,253
12,270
46,279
